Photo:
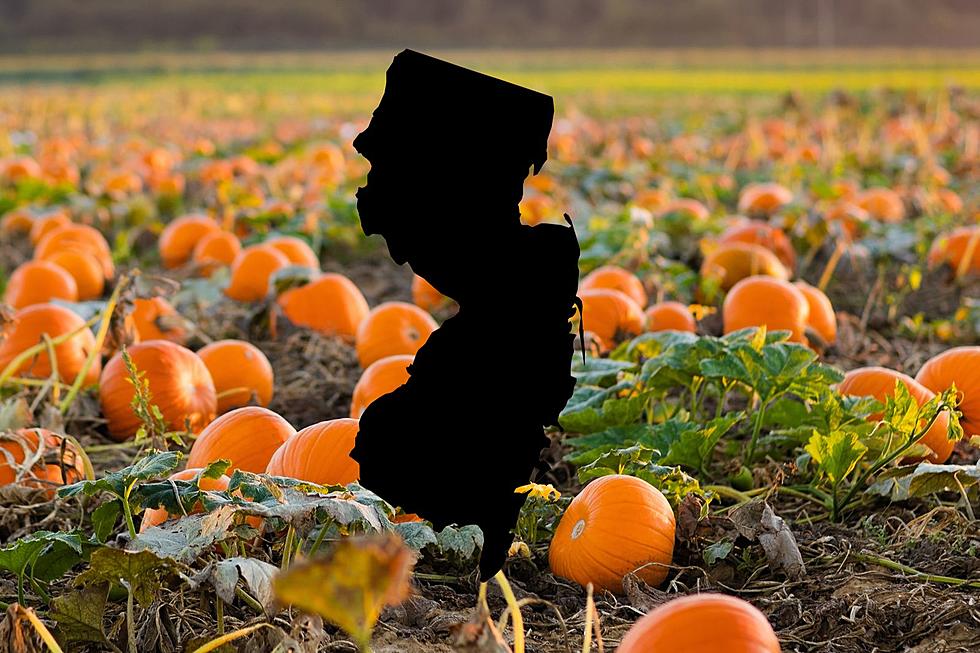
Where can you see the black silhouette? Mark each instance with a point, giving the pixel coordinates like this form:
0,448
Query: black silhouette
449,151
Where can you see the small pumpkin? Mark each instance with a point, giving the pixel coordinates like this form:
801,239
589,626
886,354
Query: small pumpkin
882,204
17,221
296,250
763,198
251,271
240,371
614,277
46,223
731,262
248,437
216,249
381,377
36,282
77,236
822,317
181,236
330,304
757,232
155,319
26,330
84,268
179,382
702,623
959,366
764,301
610,314
618,524
670,316
390,329
156,516
960,249
425,295
319,454
880,382
59,459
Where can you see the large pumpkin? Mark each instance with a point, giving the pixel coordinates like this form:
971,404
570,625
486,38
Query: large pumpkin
670,316
84,268
822,317
763,198
880,382
179,383
702,623
248,437
390,329
240,371
47,222
610,314
614,277
156,516
731,262
330,304
36,282
319,454
764,301
155,319
59,461
251,271
960,366
381,377
26,330
181,236
757,232
77,237
616,525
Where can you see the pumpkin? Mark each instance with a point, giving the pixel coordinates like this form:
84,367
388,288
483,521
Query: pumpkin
702,623
156,516
670,316
240,371
880,382
84,268
949,201
614,277
882,204
764,301
26,329
763,198
729,263
690,208
960,249
179,382
248,437
251,271
822,318
178,239
851,217
330,304
17,221
319,454
46,223
77,237
381,377
296,250
425,295
36,282
155,319
19,169
618,524
216,249
651,199
610,313
390,329
59,460
757,232
960,366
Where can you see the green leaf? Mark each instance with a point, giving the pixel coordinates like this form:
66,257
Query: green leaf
924,479
717,551
462,542
153,466
598,371
80,614
143,571
24,553
693,447
187,538
104,518
672,482
416,535
836,454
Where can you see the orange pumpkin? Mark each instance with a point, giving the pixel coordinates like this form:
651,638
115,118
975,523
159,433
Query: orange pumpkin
880,382
251,271
822,318
43,224
319,454
702,623
59,461
156,516
248,437
19,169
390,329
381,377
959,248
614,277
960,366
240,371
764,301
84,268
331,304
670,316
296,250
77,237
757,232
36,282
763,198
851,217
178,239
216,249
179,382
26,329
17,221
616,525
425,295
729,263
155,319
610,313
691,208
882,204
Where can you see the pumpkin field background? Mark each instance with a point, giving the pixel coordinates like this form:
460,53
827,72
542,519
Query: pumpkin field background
779,399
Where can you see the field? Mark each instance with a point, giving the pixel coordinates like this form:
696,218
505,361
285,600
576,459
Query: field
179,239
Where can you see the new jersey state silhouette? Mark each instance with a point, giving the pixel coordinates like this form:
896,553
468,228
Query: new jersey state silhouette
449,150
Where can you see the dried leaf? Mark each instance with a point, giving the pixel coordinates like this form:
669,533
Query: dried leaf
757,521
79,614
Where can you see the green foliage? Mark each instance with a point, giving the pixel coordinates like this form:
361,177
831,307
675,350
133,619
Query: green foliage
41,556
